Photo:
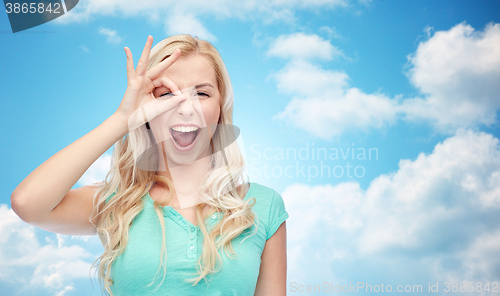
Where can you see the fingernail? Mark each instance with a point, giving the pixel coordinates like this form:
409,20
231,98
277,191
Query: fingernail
178,92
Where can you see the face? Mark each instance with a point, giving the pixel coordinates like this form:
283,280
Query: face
195,77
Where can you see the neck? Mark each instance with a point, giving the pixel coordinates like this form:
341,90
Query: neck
186,178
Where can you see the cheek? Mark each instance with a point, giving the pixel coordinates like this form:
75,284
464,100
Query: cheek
211,112
159,126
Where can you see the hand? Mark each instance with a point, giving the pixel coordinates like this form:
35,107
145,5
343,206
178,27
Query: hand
139,105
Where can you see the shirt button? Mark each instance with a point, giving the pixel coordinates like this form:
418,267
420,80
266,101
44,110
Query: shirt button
191,248
192,228
214,217
192,237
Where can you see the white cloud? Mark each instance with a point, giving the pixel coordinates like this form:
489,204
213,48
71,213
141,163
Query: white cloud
306,79
309,3
32,266
188,24
327,116
332,32
437,217
217,8
457,72
63,291
324,104
304,47
435,190
97,171
482,255
111,35
189,11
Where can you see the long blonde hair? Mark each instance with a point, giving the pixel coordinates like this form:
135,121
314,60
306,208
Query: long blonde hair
129,183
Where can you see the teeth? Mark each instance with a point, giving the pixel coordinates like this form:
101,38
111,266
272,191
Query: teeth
185,129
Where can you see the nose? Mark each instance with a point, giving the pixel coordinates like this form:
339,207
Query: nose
185,108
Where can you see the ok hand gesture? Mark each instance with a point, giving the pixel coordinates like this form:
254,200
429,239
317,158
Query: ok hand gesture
139,105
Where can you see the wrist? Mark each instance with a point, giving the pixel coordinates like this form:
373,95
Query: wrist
120,121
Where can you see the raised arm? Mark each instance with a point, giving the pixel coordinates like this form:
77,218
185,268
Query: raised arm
45,198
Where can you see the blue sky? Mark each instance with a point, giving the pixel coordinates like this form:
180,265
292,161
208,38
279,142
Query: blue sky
414,82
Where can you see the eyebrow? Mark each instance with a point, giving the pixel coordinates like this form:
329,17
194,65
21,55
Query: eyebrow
205,84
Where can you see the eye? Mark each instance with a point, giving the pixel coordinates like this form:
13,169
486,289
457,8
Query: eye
166,95
169,94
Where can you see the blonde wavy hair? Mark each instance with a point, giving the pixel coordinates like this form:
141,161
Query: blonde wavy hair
129,183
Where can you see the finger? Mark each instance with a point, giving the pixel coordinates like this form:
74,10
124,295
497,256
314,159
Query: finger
165,105
168,83
158,69
157,107
130,63
142,65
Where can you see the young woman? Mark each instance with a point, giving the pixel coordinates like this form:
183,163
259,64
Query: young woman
231,240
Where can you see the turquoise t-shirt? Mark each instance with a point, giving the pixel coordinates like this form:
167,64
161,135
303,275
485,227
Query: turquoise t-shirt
136,267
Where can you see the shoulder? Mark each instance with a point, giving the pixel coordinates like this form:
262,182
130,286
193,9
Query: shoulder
269,207
264,196
259,190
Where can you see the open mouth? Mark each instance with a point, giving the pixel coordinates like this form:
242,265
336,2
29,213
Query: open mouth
184,136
